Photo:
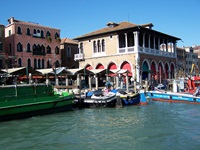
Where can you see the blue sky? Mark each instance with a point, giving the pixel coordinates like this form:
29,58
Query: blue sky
179,18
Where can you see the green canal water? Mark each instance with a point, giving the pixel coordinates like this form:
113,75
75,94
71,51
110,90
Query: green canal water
157,126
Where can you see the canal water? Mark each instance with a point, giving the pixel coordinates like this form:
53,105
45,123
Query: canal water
157,126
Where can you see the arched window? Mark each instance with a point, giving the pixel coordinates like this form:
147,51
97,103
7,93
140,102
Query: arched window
94,47
56,35
29,62
39,63
103,45
19,30
48,34
20,62
68,51
19,47
48,49
56,50
42,63
34,31
99,46
42,34
35,63
28,32
28,47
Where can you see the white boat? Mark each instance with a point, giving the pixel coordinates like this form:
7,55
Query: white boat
98,98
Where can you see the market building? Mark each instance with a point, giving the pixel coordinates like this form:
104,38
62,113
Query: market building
144,52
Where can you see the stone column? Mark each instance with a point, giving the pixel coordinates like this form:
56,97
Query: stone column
127,83
90,83
66,80
126,42
96,81
136,41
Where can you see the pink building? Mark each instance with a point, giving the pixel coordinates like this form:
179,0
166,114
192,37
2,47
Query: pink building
33,45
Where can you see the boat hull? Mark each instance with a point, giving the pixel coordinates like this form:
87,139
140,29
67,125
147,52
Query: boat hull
131,99
173,97
20,102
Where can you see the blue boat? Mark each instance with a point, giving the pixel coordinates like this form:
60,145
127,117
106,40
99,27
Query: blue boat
130,98
177,97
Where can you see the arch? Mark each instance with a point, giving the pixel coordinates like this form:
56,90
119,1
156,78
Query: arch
88,67
145,69
112,65
172,70
126,65
167,70
160,71
153,69
100,66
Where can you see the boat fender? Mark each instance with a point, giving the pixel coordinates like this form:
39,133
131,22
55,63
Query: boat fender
195,99
170,97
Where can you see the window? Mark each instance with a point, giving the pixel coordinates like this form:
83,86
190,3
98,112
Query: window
34,31
28,47
35,63
9,32
19,47
81,48
29,63
48,34
39,64
20,62
68,51
42,63
42,34
103,45
56,35
99,46
48,49
19,30
56,50
94,47
28,32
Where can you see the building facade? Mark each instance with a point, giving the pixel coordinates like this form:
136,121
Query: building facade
146,53
33,45
2,47
68,49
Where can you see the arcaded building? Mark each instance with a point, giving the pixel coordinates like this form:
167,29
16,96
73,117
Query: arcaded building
31,44
145,52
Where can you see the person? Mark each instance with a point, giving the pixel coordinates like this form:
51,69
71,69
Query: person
107,88
132,80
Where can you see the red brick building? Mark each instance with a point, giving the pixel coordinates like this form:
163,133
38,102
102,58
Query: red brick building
31,44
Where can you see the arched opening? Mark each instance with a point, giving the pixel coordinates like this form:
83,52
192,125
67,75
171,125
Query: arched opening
145,70
99,66
125,65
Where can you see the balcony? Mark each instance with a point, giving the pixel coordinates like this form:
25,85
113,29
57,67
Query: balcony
79,56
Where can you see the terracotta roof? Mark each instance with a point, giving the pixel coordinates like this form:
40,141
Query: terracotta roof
66,40
116,27
196,48
29,24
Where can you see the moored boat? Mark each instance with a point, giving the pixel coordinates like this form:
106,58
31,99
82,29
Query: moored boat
21,101
130,98
97,98
179,97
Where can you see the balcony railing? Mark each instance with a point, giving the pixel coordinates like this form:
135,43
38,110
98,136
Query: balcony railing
79,56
